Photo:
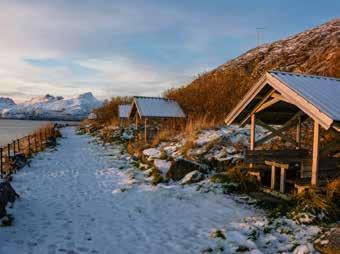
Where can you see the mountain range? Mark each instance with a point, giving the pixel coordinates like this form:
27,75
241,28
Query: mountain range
50,107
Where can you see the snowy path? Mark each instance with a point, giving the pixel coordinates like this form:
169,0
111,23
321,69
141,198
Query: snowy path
80,199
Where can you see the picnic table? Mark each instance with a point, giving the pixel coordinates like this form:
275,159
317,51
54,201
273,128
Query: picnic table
283,164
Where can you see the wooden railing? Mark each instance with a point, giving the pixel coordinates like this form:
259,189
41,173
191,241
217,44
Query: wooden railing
28,145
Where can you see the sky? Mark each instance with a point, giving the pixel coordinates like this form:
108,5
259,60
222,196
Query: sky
119,48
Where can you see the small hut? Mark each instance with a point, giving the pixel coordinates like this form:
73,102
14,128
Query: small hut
123,112
286,100
144,109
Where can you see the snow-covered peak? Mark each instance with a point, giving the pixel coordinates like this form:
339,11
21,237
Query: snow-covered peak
6,102
53,107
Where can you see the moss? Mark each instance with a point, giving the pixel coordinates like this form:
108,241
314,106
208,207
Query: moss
156,177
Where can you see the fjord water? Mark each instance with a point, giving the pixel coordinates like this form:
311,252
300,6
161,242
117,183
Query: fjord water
13,129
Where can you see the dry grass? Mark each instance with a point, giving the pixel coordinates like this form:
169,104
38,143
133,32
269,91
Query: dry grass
198,124
164,136
244,182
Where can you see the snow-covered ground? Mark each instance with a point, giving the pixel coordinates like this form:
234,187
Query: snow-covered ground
89,198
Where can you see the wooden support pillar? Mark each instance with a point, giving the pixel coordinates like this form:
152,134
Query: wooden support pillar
315,160
136,121
252,132
35,142
41,140
282,180
272,182
298,133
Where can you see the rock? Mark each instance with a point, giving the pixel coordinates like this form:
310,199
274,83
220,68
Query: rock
152,153
329,242
192,177
217,233
180,167
163,166
302,249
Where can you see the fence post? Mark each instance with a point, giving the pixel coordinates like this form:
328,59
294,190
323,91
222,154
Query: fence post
18,141
14,148
1,163
29,143
9,151
41,142
35,142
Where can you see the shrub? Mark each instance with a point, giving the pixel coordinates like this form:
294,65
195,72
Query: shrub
240,181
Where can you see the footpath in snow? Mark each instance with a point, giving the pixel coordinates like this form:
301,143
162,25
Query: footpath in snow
82,198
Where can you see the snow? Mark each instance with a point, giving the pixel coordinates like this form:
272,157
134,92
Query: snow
84,197
51,107
152,153
158,107
162,165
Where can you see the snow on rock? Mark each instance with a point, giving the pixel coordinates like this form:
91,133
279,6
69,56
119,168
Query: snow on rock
192,177
152,153
163,166
53,107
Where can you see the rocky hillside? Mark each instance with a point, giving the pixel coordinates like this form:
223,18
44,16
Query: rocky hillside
213,94
50,107
6,103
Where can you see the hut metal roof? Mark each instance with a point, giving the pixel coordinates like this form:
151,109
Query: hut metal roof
157,107
124,111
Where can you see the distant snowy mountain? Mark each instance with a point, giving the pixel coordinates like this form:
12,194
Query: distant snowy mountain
6,103
50,107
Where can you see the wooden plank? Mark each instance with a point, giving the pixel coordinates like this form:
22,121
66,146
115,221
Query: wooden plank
282,180
291,122
272,182
267,104
278,132
265,98
280,97
252,132
298,132
277,164
315,160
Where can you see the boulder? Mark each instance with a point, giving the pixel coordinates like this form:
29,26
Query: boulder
192,177
180,167
329,242
162,165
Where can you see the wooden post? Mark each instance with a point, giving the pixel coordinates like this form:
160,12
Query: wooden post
145,131
35,142
315,160
252,132
41,142
14,148
282,180
298,133
29,143
136,121
272,183
18,142
1,162
9,151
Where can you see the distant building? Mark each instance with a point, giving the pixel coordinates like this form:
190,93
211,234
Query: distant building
123,113
154,108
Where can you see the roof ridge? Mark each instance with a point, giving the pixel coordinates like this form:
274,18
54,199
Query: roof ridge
155,98
304,75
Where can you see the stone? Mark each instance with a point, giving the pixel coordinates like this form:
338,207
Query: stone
192,177
180,167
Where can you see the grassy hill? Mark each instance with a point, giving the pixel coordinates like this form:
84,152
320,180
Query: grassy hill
213,94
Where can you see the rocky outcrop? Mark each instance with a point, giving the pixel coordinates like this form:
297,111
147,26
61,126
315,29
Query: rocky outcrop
192,177
181,167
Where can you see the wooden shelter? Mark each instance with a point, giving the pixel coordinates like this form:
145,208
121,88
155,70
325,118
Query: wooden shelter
123,112
144,109
288,99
